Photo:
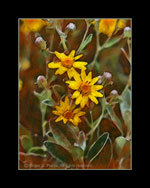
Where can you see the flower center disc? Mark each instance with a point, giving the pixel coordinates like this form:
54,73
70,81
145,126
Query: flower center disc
67,63
85,88
68,114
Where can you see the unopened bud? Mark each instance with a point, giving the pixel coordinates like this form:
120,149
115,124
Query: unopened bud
127,32
107,75
114,92
100,79
40,42
71,26
41,81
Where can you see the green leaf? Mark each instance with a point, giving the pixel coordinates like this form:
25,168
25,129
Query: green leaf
111,42
59,153
60,138
125,107
26,142
126,102
69,131
81,142
97,147
40,151
48,102
122,146
77,152
86,41
119,143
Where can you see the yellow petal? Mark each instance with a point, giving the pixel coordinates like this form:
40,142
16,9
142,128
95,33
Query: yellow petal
89,77
78,100
60,56
53,65
65,120
75,94
81,113
80,65
76,76
78,57
98,87
107,26
72,53
84,101
56,112
67,101
122,23
83,75
59,118
73,85
73,73
94,80
76,120
93,99
77,110
97,94
61,70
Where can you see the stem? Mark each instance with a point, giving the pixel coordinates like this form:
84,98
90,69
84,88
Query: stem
127,85
98,47
86,31
63,43
98,122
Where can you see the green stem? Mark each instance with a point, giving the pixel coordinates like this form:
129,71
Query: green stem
127,85
86,31
63,43
98,122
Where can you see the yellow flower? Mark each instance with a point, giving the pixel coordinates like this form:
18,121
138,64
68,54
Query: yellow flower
107,26
85,88
25,64
67,63
20,85
68,113
32,25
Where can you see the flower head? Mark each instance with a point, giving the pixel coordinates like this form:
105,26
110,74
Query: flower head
32,25
85,88
107,26
68,113
67,63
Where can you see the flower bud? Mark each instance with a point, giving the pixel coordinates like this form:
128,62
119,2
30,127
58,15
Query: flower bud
114,92
41,81
71,26
107,75
127,32
100,79
40,42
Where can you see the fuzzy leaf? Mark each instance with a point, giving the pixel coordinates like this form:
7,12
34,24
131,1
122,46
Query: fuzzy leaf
86,41
126,102
125,107
81,142
26,142
59,153
48,102
111,42
97,147
40,151
60,138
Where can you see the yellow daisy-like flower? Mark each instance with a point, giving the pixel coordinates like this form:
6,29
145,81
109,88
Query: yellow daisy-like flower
68,113
20,85
32,25
107,26
67,64
85,88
